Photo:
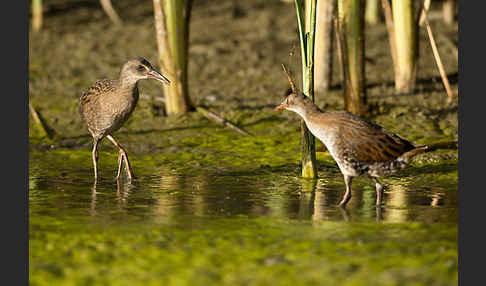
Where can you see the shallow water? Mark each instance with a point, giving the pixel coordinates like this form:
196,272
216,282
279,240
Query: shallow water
179,226
165,194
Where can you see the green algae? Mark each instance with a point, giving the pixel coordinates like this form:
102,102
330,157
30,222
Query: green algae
243,251
235,223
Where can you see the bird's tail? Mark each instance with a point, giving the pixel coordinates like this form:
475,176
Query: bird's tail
427,148
419,149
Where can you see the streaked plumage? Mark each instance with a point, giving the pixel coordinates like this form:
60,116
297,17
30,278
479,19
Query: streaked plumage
106,105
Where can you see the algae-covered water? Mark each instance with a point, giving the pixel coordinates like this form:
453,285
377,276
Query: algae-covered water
227,226
265,227
210,206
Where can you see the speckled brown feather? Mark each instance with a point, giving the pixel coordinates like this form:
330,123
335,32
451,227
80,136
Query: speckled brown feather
366,140
107,104
99,88
356,144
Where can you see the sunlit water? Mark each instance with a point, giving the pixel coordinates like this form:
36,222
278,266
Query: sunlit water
222,226
168,194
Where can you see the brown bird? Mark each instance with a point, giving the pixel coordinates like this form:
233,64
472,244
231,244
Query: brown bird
357,145
107,104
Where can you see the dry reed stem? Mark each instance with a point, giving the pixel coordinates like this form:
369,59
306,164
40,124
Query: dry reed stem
39,122
110,11
440,66
165,57
391,32
341,47
37,15
425,10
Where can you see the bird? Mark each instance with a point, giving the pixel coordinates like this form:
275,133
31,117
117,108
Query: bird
359,146
108,103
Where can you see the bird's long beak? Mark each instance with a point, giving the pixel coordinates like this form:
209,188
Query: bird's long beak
158,76
282,106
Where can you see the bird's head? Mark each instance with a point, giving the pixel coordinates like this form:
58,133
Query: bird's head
296,101
140,68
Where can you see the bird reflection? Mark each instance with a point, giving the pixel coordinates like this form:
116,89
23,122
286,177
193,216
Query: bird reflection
396,199
379,215
344,212
319,202
122,193
92,209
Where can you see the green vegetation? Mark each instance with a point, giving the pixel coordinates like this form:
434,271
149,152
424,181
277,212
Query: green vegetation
307,31
352,43
242,251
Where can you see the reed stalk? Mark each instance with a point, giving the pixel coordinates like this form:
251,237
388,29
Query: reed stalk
425,10
438,61
36,15
449,11
323,53
351,31
309,162
405,39
172,33
111,12
372,11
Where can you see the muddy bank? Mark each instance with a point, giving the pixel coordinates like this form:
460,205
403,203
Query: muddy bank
235,56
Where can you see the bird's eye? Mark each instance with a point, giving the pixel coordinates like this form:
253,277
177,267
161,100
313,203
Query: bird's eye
140,68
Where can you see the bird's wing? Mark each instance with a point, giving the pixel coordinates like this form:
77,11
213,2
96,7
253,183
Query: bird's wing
100,87
369,142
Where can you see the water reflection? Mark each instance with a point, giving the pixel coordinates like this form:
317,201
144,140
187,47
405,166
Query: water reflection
168,195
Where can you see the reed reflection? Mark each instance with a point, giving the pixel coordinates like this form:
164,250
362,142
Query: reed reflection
170,194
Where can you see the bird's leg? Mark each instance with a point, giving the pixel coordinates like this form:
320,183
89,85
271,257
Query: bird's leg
95,158
123,155
120,162
347,194
379,191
